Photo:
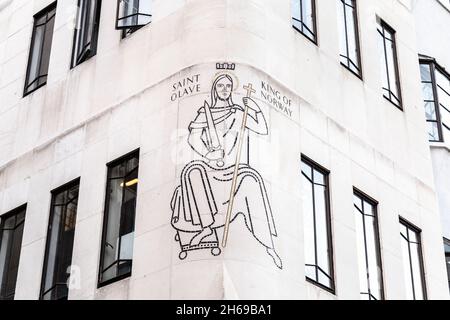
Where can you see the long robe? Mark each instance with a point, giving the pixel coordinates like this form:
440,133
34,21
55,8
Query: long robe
202,199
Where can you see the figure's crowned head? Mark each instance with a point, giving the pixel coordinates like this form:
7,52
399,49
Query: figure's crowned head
222,90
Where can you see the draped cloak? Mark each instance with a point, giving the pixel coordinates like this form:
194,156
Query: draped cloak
202,199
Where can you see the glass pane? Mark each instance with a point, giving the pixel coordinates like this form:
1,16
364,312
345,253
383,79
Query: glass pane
35,57
407,269
47,46
323,253
303,17
425,72
390,56
307,170
430,111
442,81
373,258
417,271
295,9
110,247
308,222
362,264
11,243
120,219
134,13
60,243
52,243
427,89
145,10
433,131
383,59
310,272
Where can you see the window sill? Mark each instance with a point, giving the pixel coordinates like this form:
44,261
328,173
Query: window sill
400,107
440,145
359,76
304,35
321,286
101,285
34,90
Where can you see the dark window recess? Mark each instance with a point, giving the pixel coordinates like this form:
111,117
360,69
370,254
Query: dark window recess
11,232
59,247
304,18
447,259
317,225
349,36
412,261
436,95
132,15
41,44
369,249
119,219
86,32
389,64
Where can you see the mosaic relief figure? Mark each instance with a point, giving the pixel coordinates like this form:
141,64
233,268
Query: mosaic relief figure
199,205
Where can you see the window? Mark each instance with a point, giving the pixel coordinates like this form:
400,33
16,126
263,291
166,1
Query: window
304,18
118,224
11,232
86,32
369,253
132,15
349,38
59,247
389,64
41,44
436,95
447,258
412,261
317,225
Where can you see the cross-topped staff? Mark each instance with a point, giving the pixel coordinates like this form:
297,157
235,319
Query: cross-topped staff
250,91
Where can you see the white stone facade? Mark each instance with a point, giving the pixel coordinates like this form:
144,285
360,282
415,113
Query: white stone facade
431,18
120,100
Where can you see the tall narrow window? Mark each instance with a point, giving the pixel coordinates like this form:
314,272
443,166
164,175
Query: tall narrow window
369,254
317,225
60,236
86,33
11,232
349,37
118,224
436,95
41,44
304,18
389,64
412,261
133,14
447,259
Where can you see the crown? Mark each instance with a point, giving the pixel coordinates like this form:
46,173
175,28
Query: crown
225,66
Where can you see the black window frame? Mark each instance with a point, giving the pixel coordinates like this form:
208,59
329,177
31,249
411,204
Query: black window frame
386,27
357,39
128,30
435,67
314,20
28,84
90,48
326,173
374,203
64,188
102,270
3,217
418,231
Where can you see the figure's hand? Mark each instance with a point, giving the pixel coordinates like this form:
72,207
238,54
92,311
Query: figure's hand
215,155
251,104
